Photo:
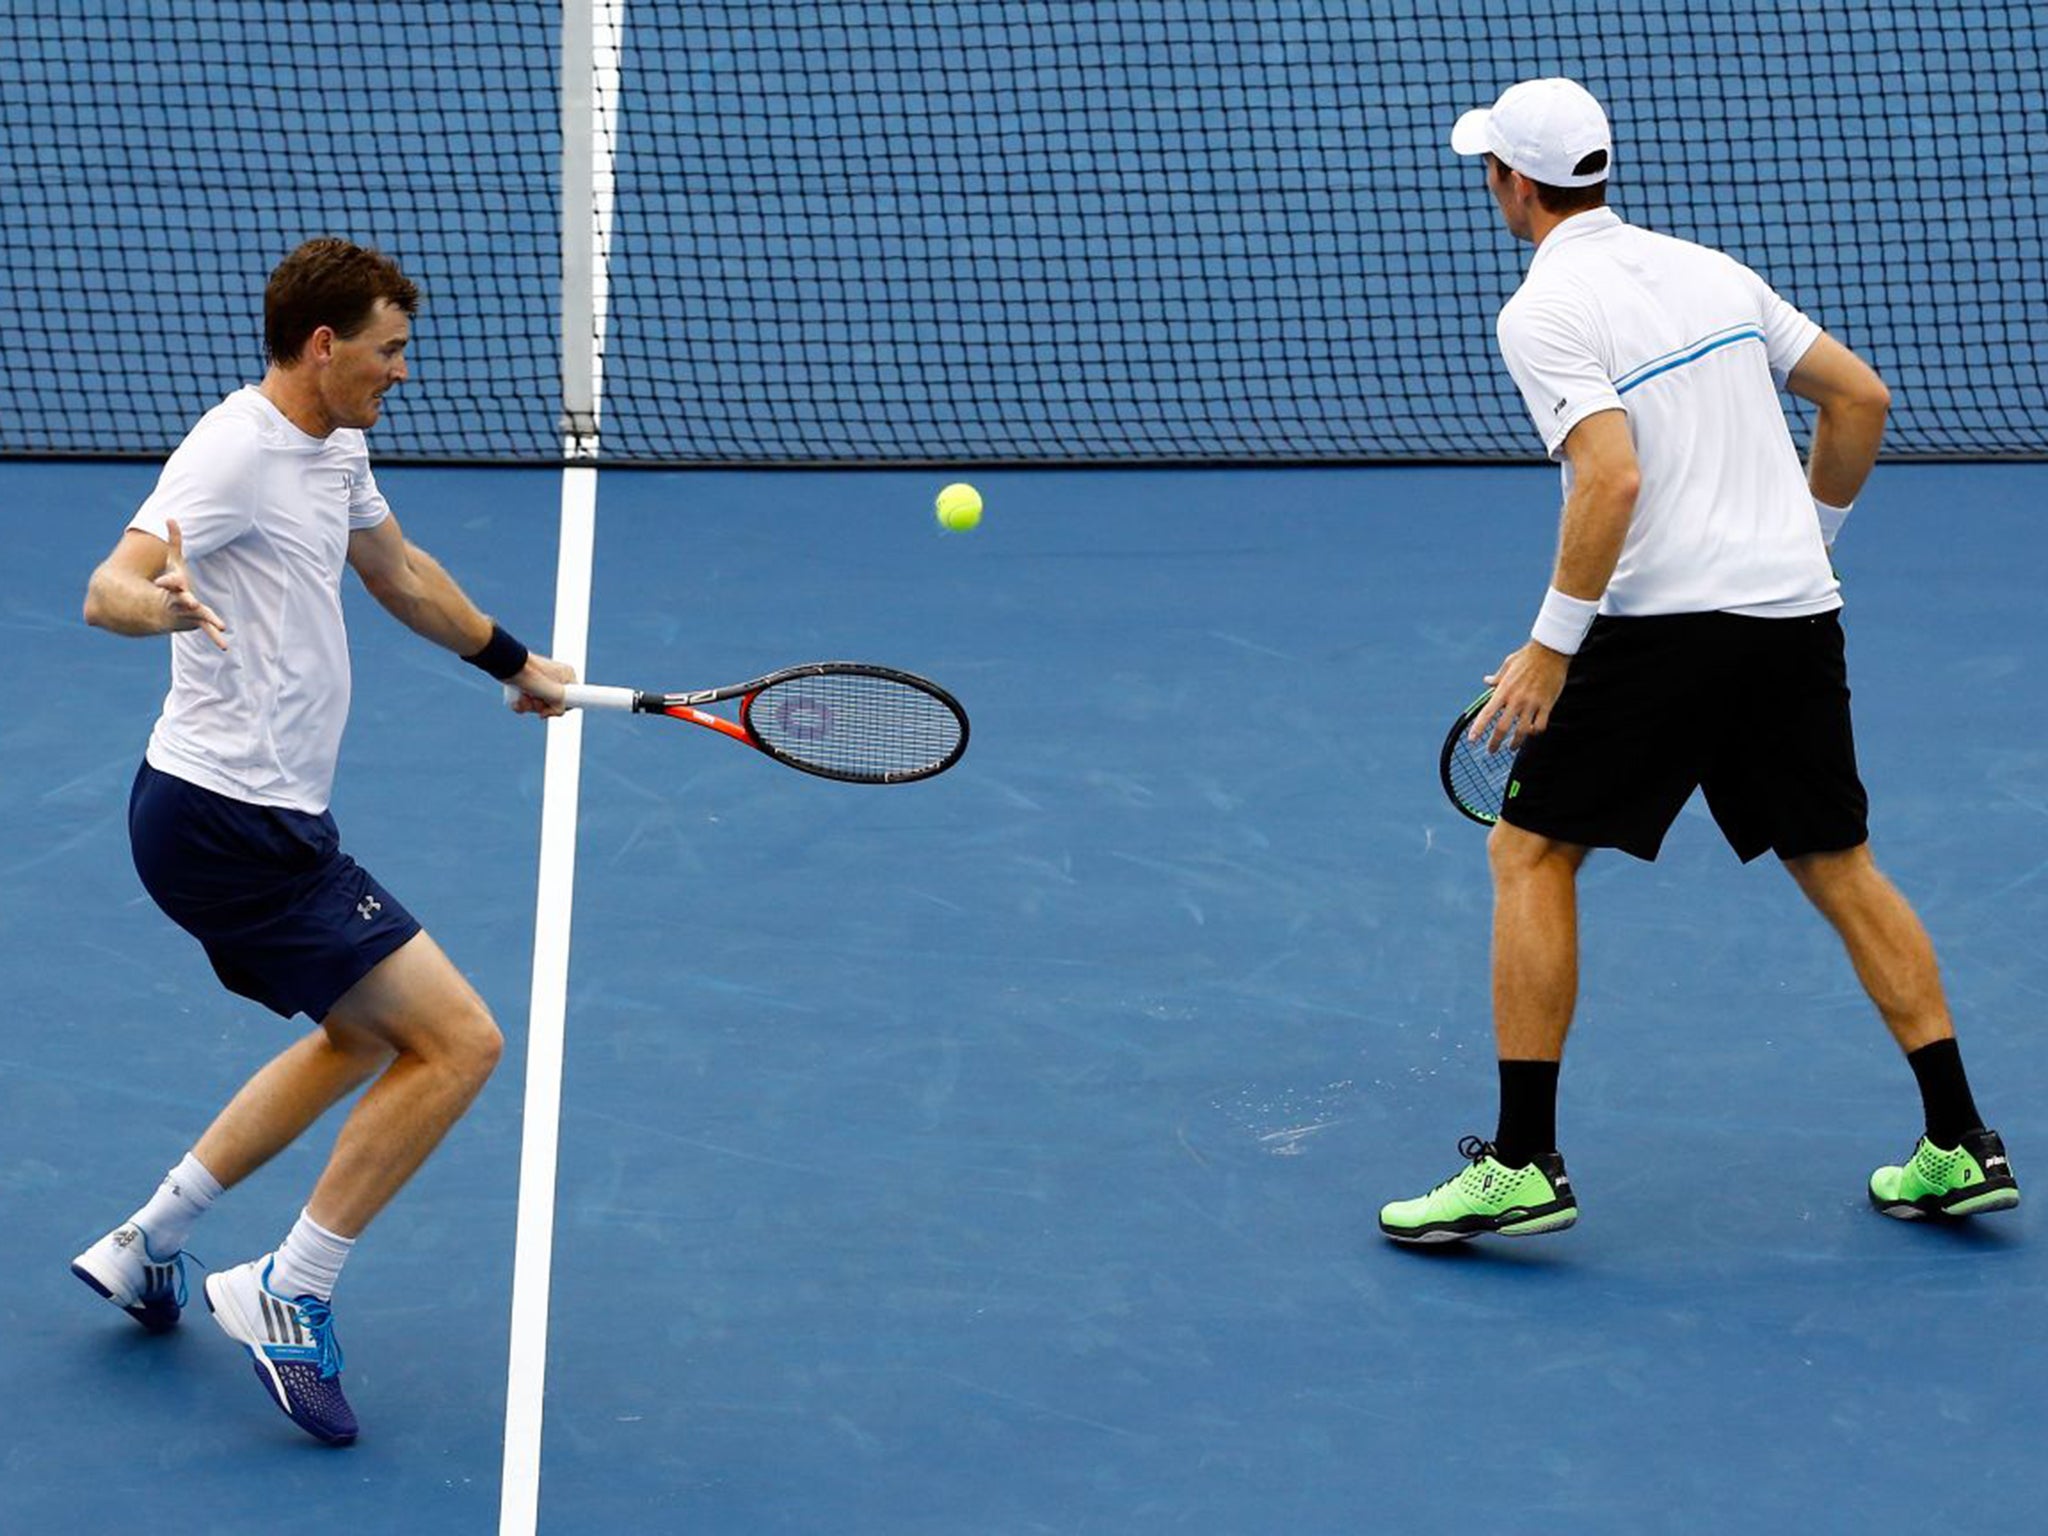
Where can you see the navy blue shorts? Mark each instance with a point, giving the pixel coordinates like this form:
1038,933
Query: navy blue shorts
1752,712
286,917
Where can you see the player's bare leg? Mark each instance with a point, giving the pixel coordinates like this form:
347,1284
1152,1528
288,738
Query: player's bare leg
1959,1167
1516,1192
1535,942
1888,946
276,1106
446,1046
440,1046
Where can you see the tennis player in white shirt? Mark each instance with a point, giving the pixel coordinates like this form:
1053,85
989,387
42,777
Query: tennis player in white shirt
1690,639
238,555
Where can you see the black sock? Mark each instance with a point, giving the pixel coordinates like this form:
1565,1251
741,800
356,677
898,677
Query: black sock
1528,1112
1944,1092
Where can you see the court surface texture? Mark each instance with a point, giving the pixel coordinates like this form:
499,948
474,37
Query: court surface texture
999,1155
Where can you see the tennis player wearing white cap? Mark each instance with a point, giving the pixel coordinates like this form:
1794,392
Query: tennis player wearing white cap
1690,639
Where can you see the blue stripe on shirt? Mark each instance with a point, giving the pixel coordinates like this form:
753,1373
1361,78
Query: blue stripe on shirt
1650,370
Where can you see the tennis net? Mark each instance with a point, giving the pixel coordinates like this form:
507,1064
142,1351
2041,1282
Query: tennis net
1108,230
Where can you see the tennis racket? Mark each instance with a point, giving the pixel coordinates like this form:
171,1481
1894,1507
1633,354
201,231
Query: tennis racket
843,720
1475,779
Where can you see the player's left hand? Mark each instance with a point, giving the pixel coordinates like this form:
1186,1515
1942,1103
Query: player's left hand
1525,690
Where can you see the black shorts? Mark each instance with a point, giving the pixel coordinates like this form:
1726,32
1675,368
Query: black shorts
1755,712
286,917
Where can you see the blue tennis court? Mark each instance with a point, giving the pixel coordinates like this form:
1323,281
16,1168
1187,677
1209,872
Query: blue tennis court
1000,1154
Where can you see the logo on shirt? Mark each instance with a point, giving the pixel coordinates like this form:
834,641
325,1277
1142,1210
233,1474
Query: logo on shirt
1562,402
368,908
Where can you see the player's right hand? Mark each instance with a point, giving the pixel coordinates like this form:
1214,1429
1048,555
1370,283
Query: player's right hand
1525,689
536,689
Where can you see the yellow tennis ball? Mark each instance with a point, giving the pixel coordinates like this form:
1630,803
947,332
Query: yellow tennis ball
958,507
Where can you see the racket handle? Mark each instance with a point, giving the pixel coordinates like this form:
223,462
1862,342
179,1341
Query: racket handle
592,696
587,696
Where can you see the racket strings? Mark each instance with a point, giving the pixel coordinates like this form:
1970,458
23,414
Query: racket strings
855,726
1478,779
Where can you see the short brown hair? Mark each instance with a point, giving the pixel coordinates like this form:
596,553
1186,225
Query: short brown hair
328,281
1563,199
1570,199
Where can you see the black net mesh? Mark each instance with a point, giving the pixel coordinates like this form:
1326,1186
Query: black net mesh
160,159
1112,230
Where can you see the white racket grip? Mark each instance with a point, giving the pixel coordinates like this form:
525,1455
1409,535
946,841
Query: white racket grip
585,696
592,696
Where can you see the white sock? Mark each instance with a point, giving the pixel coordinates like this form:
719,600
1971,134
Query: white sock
185,1195
308,1262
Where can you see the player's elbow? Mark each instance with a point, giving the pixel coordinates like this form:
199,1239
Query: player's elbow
1860,409
394,594
98,609
393,578
1842,384
376,583
1616,485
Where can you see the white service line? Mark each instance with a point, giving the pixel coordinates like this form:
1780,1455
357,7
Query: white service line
547,1017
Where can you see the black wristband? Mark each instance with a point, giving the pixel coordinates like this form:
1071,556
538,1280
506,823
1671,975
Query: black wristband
502,656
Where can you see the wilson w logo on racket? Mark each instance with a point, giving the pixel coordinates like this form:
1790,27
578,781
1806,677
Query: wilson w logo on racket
1477,780
844,720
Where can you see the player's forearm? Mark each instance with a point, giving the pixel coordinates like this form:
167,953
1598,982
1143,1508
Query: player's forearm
1853,403
1846,438
124,604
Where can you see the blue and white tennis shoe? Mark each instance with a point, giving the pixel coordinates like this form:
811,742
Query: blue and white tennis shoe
291,1342
121,1268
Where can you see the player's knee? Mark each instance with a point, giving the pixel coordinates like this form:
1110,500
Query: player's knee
1834,876
479,1046
493,1049
1515,855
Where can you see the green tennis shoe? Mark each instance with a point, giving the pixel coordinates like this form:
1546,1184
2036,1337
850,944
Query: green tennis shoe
1488,1196
1967,1180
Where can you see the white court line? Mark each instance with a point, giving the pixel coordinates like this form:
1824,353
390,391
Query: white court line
593,31
547,1018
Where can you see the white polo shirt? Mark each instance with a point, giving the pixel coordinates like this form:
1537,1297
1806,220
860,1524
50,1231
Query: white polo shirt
1694,347
265,512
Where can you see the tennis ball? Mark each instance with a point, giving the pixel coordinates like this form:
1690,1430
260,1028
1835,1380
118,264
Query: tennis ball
958,507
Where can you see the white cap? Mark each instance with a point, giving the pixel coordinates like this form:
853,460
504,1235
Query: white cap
1543,128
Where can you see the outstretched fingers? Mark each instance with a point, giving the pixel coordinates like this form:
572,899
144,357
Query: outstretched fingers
187,611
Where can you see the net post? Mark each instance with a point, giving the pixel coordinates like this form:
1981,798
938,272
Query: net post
580,229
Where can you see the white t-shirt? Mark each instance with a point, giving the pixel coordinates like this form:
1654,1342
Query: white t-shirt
1694,347
265,512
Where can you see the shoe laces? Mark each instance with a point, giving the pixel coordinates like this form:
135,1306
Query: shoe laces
1473,1149
319,1320
184,1258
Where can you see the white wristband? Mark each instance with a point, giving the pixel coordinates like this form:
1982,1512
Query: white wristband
1563,621
1831,519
